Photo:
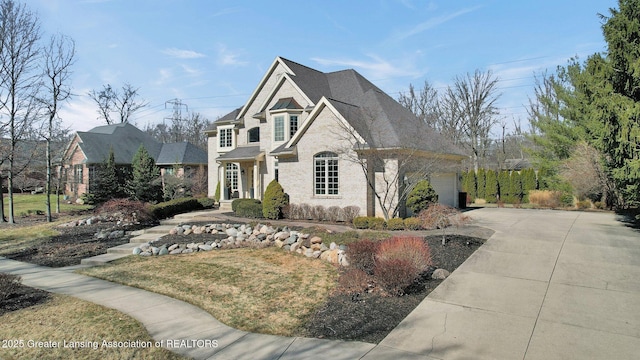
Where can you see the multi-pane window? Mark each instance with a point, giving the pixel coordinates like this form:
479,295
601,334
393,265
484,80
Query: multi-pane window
226,138
232,176
278,128
293,125
326,173
253,135
78,178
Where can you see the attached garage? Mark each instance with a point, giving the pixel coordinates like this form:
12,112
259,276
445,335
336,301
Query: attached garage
446,186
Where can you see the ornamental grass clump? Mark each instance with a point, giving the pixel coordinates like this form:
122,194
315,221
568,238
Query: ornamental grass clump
399,261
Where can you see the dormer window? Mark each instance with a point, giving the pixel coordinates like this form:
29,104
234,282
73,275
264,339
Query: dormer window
285,114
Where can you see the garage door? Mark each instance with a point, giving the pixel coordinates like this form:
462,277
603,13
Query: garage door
446,187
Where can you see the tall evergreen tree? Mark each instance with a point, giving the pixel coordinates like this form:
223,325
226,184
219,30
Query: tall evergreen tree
481,183
491,186
145,184
504,186
515,191
107,185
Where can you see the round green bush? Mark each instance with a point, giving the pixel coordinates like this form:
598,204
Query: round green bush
361,222
395,224
421,196
274,200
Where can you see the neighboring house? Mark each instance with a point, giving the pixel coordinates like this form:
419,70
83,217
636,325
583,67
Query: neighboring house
314,132
89,149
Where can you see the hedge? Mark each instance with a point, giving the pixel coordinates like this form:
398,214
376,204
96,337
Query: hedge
173,207
250,209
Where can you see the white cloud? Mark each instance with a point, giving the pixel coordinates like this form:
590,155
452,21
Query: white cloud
183,54
433,22
81,114
376,69
227,57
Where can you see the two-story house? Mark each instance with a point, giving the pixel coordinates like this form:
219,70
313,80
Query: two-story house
329,139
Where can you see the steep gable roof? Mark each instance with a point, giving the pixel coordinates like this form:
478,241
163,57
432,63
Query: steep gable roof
124,138
181,153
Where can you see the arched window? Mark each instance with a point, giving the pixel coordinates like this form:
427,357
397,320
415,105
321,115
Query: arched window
326,173
253,135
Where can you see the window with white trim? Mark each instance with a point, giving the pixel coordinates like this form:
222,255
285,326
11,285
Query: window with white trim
226,138
326,173
278,128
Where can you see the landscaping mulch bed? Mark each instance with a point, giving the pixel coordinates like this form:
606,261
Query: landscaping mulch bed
369,317
72,245
365,317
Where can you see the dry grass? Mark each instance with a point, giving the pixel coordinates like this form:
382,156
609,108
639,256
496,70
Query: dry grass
258,290
545,198
68,319
15,238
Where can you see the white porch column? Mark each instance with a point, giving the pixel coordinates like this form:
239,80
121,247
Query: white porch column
256,187
223,178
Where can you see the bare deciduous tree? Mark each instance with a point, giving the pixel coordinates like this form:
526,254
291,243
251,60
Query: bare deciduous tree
423,104
124,103
472,99
19,79
58,59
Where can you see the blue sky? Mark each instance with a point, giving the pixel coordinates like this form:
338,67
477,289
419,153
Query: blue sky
211,54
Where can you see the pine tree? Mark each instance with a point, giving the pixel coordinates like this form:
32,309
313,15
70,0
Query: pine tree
470,185
481,183
421,196
528,183
515,191
504,185
145,184
107,185
491,186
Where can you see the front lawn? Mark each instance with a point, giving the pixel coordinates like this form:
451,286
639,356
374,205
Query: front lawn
257,290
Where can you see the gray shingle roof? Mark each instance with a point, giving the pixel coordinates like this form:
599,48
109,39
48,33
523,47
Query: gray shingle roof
241,153
181,153
124,138
376,116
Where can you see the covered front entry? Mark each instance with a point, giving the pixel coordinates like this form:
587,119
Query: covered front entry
239,173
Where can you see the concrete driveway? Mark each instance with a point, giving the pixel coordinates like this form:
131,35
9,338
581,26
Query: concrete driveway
547,285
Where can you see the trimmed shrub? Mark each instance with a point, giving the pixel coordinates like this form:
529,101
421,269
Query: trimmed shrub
350,212
206,202
412,223
235,204
334,213
395,224
361,222
376,223
399,261
216,196
305,211
250,209
274,200
362,255
318,213
170,208
421,196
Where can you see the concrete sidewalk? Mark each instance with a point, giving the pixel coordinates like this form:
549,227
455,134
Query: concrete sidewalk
547,285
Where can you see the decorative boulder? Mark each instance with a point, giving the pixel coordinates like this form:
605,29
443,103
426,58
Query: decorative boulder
440,274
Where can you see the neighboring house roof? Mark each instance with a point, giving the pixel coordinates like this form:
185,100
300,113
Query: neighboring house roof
516,164
181,153
125,140
378,118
